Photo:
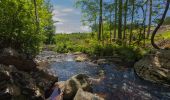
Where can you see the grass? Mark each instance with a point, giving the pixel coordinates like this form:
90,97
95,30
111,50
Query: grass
88,44
160,36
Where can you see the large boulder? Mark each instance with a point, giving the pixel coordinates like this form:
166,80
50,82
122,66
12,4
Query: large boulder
83,95
9,56
21,85
155,67
72,85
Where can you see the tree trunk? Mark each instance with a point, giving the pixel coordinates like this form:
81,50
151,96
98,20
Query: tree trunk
36,16
150,19
125,18
110,27
100,20
120,21
131,29
144,22
159,25
115,23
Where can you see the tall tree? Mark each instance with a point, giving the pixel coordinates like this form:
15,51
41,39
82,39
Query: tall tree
125,18
132,20
159,25
144,19
36,15
120,21
100,20
115,21
150,18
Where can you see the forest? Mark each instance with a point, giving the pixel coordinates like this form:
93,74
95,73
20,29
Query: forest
124,55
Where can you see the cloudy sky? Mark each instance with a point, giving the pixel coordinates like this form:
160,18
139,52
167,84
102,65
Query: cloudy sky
68,16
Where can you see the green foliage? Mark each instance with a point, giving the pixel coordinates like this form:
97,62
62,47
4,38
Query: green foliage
85,43
18,25
130,54
167,21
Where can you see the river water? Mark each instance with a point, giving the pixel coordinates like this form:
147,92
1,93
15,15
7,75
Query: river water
120,83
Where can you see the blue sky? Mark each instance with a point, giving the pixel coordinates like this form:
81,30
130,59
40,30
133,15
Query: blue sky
68,16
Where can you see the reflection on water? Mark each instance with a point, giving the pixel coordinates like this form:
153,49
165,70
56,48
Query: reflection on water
119,83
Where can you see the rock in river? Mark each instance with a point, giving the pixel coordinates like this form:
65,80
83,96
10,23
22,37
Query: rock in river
72,85
83,95
155,67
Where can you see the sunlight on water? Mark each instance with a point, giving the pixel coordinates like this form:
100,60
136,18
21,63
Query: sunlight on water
120,83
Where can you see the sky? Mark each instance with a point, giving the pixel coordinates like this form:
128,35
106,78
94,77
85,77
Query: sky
68,16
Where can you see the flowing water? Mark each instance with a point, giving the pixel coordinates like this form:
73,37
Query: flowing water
120,83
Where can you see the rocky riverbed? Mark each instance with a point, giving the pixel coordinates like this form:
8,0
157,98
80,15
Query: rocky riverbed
120,82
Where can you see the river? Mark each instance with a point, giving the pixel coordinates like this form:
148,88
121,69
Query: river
120,83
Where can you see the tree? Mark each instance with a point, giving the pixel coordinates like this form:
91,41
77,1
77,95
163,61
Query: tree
120,21
132,19
109,8
115,21
90,13
100,20
150,19
125,18
19,25
159,25
36,15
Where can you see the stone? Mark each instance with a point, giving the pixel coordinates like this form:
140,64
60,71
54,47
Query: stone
80,59
9,56
21,85
155,67
73,84
83,95
4,75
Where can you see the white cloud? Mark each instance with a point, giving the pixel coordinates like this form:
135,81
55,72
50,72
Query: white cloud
85,28
69,20
67,10
58,19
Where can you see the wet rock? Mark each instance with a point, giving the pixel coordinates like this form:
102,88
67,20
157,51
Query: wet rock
82,95
4,75
101,61
9,56
73,84
19,85
155,67
80,57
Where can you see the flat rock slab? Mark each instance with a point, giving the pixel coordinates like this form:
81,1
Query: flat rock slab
155,67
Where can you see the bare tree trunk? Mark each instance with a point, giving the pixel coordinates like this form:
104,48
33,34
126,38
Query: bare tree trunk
144,21
110,27
120,21
100,20
115,23
159,25
125,18
131,29
150,19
